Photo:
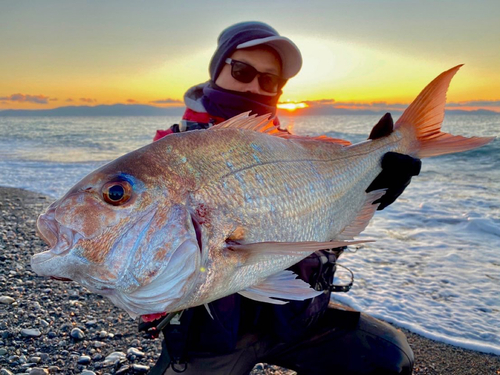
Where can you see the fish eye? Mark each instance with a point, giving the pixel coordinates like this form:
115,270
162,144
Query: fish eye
116,192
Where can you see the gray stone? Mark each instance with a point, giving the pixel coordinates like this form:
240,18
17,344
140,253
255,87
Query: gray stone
7,300
136,352
31,332
87,372
77,333
5,372
34,359
84,360
39,371
98,344
123,370
13,358
140,368
114,358
3,351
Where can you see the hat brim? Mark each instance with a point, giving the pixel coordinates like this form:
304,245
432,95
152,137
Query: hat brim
291,59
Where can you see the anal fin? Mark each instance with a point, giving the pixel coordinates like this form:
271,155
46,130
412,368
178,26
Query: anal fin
284,285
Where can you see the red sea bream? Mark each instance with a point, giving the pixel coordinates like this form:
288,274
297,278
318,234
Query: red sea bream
200,215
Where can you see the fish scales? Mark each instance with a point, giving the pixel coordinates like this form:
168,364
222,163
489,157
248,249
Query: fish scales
200,215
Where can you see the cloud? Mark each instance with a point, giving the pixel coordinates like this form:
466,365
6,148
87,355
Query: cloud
69,100
312,103
371,106
25,98
476,103
166,101
88,100
132,101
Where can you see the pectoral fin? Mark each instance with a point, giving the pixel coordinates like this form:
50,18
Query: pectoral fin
261,251
283,285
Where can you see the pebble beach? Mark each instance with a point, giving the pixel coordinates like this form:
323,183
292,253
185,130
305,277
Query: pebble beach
53,327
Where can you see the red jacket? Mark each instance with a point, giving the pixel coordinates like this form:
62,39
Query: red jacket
201,117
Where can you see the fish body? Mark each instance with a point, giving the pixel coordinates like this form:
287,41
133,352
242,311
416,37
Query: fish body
200,215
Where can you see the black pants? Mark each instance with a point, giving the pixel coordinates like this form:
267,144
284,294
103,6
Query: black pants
342,342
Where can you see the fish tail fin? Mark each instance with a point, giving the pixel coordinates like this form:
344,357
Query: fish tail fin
425,116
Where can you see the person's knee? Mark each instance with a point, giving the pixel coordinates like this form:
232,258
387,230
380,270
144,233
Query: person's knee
389,350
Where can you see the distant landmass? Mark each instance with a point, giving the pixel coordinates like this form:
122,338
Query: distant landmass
98,110
149,110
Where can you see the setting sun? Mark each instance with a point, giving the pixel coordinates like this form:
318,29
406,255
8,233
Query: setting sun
290,106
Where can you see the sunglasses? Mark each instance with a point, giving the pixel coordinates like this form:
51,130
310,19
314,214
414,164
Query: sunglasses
245,73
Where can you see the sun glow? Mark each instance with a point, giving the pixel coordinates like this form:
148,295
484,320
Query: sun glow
290,106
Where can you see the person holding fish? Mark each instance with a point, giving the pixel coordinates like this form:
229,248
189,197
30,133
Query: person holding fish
248,70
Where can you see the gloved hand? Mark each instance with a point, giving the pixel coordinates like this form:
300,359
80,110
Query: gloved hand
397,171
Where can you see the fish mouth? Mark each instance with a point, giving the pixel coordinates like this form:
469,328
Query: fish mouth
60,241
59,238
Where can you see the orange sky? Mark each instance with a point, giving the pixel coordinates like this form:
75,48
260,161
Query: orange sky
358,54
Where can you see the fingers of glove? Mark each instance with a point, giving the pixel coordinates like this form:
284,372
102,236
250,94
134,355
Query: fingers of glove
390,196
401,164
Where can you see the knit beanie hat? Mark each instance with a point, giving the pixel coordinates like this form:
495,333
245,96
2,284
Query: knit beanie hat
250,34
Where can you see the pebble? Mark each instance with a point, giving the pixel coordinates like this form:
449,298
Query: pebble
5,372
3,351
123,370
115,355
136,352
77,333
84,360
87,372
7,300
140,368
39,371
31,332
103,334
98,344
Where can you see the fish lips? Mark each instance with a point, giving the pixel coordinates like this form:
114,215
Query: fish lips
59,238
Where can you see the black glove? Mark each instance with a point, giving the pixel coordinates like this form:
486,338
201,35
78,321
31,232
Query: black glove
397,171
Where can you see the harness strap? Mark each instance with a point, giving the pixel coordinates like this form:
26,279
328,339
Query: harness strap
163,361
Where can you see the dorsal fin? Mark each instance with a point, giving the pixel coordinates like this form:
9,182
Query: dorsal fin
263,124
384,127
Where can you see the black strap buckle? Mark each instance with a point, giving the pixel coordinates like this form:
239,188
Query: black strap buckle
326,273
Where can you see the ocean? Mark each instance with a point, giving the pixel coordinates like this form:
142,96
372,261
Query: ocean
435,266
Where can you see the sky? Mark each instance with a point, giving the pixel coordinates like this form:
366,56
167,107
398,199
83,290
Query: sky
357,54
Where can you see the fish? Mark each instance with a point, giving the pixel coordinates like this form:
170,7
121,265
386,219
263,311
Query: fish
199,215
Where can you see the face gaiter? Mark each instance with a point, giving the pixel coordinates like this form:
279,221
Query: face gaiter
227,103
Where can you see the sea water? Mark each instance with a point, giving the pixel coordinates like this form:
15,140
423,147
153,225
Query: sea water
435,266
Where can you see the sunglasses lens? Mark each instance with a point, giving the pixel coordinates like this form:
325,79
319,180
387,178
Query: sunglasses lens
243,72
246,73
269,82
